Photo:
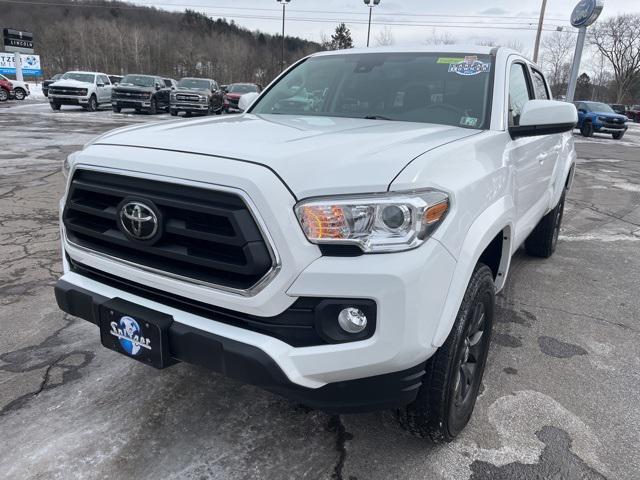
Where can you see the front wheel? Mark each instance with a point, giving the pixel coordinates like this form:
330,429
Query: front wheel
153,109
587,129
116,109
55,106
174,113
19,93
92,106
447,397
542,241
4,96
618,135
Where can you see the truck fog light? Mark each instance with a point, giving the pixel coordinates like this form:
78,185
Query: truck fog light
352,320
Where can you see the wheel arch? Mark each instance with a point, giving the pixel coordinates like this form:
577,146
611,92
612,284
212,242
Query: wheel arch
490,236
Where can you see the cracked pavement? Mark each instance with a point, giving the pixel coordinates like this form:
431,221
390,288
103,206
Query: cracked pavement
559,397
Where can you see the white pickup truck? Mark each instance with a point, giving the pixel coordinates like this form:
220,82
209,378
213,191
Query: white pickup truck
86,89
344,245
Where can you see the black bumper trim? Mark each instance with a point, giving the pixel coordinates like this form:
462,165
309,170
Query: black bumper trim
251,365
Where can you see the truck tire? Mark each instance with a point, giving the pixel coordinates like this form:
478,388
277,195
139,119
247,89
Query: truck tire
19,94
587,129
446,399
116,109
92,106
55,106
618,135
4,96
174,113
153,109
542,241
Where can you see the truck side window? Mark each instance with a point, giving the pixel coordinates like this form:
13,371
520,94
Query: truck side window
539,85
519,93
104,79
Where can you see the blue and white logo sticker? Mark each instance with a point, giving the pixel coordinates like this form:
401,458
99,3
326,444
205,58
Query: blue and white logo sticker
470,66
130,335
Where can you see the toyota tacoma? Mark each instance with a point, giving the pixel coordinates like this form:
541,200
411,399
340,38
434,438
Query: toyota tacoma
343,245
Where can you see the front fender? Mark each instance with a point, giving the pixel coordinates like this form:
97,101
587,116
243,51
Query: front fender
498,217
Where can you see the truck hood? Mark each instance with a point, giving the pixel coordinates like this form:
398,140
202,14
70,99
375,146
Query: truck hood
312,155
71,83
610,115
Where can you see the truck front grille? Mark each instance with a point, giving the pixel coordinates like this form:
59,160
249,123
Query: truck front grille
129,94
67,91
209,236
183,97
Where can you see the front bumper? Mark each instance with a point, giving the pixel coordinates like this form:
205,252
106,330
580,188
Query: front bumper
68,99
189,107
138,104
252,365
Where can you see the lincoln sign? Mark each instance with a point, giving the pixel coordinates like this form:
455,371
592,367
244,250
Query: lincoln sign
17,41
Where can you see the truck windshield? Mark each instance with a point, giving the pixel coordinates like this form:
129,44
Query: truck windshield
194,84
80,77
448,89
599,107
241,88
138,80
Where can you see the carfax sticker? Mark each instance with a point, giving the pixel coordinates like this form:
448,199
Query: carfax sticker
469,66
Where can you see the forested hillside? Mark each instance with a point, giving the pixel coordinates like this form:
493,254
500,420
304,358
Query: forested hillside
120,38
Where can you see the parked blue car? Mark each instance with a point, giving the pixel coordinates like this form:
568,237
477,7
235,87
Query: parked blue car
596,117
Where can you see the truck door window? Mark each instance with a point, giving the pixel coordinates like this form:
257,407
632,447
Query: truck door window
519,92
539,85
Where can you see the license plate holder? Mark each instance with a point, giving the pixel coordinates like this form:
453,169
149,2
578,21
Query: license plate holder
138,332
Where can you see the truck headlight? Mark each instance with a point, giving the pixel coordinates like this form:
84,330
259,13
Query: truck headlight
388,222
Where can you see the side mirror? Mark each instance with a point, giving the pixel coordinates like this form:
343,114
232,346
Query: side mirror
158,86
545,117
246,100
582,110
173,87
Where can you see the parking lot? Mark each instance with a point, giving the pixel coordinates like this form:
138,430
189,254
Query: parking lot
559,397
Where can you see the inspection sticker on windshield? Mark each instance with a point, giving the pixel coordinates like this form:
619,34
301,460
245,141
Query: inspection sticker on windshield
470,66
468,121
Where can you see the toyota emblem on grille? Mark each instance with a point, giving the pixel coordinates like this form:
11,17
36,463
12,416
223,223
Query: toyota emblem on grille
139,220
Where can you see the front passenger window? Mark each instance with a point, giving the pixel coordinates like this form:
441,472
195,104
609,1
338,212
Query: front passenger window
519,93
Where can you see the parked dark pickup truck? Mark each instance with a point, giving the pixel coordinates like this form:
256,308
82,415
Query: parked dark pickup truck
196,95
46,83
141,92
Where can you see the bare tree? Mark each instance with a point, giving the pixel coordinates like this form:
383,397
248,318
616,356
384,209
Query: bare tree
385,38
618,40
440,38
554,58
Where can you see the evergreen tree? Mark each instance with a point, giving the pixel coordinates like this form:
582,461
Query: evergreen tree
341,39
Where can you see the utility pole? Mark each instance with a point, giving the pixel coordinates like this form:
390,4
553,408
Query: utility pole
536,49
284,7
370,4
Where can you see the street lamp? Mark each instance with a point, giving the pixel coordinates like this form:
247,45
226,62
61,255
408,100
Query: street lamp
284,6
370,4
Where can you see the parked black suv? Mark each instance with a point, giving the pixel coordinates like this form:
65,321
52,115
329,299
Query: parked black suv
141,92
49,81
197,95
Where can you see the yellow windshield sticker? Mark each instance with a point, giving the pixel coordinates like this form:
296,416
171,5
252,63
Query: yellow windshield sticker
449,60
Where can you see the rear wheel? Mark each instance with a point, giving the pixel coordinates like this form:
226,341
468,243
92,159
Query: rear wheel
19,93
453,375
618,135
542,241
587,129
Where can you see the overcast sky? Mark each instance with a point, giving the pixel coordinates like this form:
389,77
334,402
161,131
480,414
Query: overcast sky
410,21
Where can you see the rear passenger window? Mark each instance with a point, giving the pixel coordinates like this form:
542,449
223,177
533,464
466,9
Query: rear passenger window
539,85
519,93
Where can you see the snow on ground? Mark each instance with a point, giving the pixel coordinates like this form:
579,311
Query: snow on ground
36,91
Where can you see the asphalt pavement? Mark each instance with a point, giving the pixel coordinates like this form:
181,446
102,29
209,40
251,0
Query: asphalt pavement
559,397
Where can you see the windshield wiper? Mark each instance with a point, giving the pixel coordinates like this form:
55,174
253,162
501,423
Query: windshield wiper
377,117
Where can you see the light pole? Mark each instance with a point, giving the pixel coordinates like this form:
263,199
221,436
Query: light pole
370,4
284,6
536,49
